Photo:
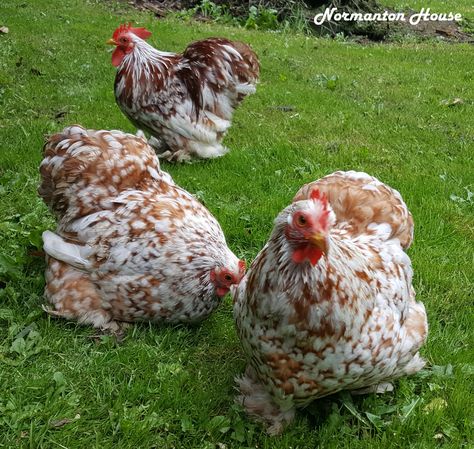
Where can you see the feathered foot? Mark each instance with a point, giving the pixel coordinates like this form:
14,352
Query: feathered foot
259,404
115,329
184,150
208,151
416,364
118,333
384,387
141,135
176,156
159,145
96,318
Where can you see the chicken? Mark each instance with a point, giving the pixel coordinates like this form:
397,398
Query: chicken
328,303
130,244
185,101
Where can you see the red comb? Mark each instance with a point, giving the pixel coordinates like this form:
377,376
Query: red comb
242,266
142,33
317,195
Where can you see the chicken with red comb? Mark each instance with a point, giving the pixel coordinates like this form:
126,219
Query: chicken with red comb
328,304
130,245
184,100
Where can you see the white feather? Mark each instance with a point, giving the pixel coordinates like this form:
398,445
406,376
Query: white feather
74,255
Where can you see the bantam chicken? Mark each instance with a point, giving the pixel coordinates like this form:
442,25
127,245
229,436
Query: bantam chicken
185,101
328,304
130,245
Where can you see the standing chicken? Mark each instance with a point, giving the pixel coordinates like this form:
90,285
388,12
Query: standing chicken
328,304
185,101
130,245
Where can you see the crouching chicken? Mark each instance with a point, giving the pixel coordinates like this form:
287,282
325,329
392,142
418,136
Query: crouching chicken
185,101
328,304
130,244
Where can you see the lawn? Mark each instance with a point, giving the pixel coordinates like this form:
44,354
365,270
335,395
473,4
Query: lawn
389,110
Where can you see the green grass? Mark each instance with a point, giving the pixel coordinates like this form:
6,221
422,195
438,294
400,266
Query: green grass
381,111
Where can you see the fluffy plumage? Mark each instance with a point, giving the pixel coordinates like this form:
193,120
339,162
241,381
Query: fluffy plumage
185,101
328,304
130,244
358,199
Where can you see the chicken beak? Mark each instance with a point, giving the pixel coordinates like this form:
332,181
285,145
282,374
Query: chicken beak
319,240
111,42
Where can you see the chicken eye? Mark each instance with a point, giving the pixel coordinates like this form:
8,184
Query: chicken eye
228,277
123,40
301,220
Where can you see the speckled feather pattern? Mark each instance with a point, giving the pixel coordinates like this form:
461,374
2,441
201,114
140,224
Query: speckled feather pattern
359,199
349,322
186,101
130,244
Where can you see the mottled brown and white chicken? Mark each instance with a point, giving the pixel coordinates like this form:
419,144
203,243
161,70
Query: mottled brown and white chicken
328,304
186,100
130,244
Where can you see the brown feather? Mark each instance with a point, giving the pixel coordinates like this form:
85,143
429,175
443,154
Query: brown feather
356,205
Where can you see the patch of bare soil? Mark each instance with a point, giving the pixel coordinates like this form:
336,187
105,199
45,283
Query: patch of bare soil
449,31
